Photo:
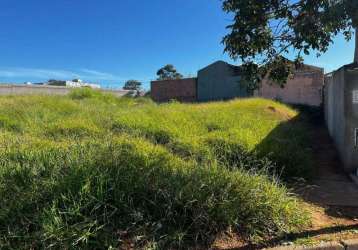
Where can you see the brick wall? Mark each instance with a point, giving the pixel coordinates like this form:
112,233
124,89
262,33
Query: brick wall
183,90
304,88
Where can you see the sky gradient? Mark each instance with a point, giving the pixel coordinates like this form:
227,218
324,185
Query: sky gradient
111,41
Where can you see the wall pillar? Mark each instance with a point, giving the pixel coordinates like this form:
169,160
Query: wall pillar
356,50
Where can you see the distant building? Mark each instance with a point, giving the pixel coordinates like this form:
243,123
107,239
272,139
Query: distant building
220,81
38,83
74,83
223,81
184,90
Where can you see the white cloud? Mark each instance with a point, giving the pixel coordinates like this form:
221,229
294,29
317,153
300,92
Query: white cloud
45,74
35,73
101,75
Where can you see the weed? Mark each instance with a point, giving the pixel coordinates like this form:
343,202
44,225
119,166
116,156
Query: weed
91,171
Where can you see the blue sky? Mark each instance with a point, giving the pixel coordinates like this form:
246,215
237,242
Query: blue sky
110,41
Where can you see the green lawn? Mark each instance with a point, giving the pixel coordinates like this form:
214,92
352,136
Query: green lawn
91,171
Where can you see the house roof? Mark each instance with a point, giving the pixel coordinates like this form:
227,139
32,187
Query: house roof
220,62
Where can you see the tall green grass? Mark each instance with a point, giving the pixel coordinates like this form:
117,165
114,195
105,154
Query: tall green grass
91,171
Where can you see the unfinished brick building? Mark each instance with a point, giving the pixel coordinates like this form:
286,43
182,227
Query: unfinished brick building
183,90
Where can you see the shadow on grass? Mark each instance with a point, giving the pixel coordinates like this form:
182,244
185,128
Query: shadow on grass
290,144
300,145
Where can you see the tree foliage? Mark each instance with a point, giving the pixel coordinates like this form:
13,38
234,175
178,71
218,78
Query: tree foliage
168,72
132,85
263,32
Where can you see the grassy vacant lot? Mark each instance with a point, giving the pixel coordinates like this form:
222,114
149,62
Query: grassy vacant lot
91,171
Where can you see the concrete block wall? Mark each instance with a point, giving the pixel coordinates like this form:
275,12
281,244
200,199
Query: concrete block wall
119,92
183,90
304,88
13,89
341,113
